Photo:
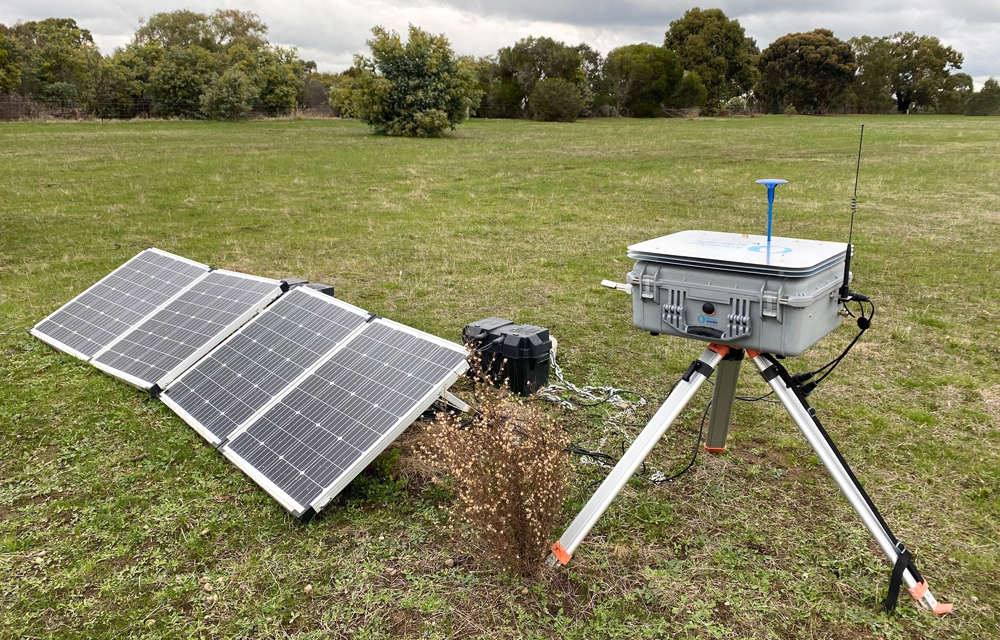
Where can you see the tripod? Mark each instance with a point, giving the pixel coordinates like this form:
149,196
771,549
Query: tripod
728,362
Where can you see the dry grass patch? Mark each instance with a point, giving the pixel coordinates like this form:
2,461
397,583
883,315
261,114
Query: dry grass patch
991,401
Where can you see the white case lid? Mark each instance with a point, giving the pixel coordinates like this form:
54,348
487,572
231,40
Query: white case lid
741,252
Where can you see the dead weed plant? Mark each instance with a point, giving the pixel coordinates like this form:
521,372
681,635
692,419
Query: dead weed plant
509,472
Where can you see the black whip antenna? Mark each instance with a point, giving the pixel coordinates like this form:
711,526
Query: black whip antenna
845,289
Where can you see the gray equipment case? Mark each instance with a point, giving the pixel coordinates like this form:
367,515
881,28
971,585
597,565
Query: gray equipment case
738,290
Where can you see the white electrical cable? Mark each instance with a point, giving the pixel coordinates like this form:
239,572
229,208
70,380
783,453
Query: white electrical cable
609,394
628,409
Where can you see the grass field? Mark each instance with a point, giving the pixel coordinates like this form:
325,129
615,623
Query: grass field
112,510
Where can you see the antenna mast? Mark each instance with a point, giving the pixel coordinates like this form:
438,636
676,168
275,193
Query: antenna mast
845,289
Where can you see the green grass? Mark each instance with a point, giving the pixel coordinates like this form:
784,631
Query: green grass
112,510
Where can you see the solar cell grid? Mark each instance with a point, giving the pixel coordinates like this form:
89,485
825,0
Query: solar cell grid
323,432
196,320
256,364
302,397
119,301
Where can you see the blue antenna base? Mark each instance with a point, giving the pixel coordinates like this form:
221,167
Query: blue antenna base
770,183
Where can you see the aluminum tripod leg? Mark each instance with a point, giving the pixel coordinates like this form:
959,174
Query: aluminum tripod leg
806,422
723,398
696,374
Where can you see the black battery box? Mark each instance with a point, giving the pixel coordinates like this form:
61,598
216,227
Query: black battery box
515,355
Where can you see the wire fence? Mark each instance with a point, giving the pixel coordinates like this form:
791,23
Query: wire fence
312,104
18,107
506,111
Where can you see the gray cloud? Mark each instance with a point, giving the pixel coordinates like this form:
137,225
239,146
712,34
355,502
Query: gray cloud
331,31
645,12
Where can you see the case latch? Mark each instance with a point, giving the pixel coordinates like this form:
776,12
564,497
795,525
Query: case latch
769,306
648,287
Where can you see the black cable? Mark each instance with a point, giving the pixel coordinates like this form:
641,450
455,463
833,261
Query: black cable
694,452
596,455
863,323
802,380
752,398
641,474
763,398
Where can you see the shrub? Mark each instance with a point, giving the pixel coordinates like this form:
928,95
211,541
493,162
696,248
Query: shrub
509,473
417,89
641,77
229,97
179,79
736,105
555,99
60,94
690,92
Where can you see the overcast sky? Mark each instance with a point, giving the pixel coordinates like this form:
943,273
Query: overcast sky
331,31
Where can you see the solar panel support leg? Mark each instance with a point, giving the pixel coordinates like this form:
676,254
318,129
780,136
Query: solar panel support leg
456,402
805,418
619,476
723,398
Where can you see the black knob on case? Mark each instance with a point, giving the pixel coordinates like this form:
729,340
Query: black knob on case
708,308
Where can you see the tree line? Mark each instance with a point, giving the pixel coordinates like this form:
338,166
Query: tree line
221,66
183,64
707,60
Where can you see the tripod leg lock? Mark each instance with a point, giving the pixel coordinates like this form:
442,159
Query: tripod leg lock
771,373
704,368
698,366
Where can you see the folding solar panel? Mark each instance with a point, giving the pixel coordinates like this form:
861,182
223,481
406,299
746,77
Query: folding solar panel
301,391
309,443
117,303
187,327
258,362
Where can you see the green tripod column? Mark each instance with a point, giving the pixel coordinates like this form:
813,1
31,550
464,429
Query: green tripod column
727,374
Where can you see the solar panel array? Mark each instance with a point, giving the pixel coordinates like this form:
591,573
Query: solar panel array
302,394
329,426
121,300
194,321
260,360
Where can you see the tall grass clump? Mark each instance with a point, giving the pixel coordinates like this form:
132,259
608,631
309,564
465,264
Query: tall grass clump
509,473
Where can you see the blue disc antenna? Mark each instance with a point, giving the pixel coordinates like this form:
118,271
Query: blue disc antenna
770,183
